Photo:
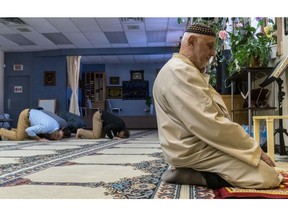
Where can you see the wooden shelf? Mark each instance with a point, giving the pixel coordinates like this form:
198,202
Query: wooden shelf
95,89
256,73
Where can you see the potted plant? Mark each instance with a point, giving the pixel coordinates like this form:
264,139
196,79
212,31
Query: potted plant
148,103
249,48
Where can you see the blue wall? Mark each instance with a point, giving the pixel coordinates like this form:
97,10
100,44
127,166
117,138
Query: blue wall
34,67
132,107
35,63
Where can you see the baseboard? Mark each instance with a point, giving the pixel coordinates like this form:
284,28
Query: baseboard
140,122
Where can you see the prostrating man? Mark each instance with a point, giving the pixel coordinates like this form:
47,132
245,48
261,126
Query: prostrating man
31,124
105,123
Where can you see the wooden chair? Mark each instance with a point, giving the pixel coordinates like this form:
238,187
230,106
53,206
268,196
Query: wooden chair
48,104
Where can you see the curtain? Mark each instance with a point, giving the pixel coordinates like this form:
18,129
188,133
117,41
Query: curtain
73,70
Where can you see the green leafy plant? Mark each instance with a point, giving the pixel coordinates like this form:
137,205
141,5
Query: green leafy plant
247,48
148,101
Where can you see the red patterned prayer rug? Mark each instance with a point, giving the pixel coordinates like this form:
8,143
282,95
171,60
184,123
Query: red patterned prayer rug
278,193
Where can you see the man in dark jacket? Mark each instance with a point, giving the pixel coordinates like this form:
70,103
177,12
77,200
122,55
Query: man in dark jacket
105,123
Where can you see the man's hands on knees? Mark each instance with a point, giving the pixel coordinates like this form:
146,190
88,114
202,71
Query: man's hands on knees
267,159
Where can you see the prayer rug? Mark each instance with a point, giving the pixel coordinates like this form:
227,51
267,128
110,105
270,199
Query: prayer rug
231,192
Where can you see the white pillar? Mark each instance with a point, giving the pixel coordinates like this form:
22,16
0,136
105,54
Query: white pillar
1,82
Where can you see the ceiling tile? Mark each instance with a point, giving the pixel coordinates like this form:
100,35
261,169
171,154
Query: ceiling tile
109,24
41,25
98,39
156,24
79,40
116,37
156,36
57,38
38,38
6,30
86,24
18,39
64,25
136,37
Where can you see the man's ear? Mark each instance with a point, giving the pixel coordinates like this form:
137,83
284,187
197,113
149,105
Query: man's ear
192,40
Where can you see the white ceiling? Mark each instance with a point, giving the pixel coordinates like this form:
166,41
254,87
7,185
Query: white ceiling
109,40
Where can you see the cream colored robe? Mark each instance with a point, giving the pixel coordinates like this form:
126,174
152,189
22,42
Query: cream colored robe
195,129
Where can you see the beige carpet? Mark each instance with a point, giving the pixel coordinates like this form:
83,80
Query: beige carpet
76,169
92,169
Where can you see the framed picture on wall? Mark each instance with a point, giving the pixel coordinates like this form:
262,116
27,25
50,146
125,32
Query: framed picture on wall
137,74
135,90
114,80
50,78
114,92
286,25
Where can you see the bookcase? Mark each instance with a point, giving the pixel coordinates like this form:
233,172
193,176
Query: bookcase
95,88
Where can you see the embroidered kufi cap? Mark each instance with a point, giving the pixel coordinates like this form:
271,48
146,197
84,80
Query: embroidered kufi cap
201,29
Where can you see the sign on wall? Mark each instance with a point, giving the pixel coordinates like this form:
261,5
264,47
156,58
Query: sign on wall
18,89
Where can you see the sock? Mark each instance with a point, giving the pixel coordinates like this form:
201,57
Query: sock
184,176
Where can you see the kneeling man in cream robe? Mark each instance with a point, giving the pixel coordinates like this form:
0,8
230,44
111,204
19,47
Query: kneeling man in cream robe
195,129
